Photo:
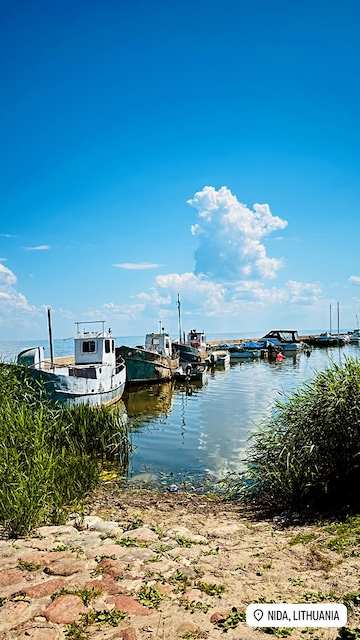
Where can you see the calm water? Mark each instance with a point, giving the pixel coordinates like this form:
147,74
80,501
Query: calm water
178,434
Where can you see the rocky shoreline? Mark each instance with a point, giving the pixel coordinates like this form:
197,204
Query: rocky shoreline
141,565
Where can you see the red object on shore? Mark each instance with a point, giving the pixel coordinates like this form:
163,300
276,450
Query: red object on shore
280,357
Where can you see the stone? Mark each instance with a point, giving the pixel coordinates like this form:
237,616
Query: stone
141,534
12,614
45,532
187,628
106,550
95,523
114,568
36,632
218,616
106,585
129,605
11,576
46,588
65,567
124,634
183,532
226,530
64,609
133,554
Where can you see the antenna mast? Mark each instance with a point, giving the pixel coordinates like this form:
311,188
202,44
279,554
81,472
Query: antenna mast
179,314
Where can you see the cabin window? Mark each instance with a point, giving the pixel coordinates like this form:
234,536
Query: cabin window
112,346
107,346
88,346
167,344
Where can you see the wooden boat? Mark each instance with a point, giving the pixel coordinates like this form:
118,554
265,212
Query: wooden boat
152,363
95,376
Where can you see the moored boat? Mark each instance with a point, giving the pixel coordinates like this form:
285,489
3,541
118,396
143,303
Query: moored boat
192,372
94,376
238,352
152,363
186,352
325,339
355,337
287,340
219,358
197,339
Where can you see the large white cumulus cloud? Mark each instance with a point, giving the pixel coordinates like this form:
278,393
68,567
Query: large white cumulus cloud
231,235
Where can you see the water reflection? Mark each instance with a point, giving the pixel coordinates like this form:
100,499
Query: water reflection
150,401
207,430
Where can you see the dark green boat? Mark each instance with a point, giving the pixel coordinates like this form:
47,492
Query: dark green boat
154,363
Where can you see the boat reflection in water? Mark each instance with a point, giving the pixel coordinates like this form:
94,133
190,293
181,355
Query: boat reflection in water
150,401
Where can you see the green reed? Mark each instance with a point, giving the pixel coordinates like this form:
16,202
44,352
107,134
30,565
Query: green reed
308,453
49,455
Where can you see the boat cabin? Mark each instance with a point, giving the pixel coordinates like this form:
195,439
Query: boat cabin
197,339
283,335
94,347
159,342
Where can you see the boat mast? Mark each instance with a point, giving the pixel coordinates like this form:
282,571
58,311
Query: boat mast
338,318
330,318
50,338
179,314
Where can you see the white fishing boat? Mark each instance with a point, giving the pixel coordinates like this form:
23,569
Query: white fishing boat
93,376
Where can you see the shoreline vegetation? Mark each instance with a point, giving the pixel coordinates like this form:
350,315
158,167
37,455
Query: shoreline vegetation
49,455
306,458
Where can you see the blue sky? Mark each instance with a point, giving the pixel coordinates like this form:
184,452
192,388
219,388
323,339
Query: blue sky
115,114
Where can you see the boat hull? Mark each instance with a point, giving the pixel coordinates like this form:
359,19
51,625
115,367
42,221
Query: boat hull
60,388
244,355
143,367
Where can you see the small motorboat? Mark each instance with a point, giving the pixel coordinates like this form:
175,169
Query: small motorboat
191,372
238,352
219,358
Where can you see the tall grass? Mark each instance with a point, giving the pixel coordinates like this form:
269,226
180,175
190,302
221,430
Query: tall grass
49,455
308,454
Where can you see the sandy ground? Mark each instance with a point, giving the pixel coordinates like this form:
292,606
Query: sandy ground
178,566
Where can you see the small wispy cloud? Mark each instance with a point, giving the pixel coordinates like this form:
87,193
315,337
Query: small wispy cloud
7,235
354,280
3,259
38,247
136,266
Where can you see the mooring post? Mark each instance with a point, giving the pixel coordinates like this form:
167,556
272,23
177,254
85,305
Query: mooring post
50,338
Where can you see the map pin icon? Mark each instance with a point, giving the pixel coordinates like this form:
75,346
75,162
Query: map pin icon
258,614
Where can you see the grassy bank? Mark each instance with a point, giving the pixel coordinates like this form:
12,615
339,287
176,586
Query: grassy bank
49,456
308,455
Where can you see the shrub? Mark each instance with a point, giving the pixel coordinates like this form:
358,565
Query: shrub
309,451
48,454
